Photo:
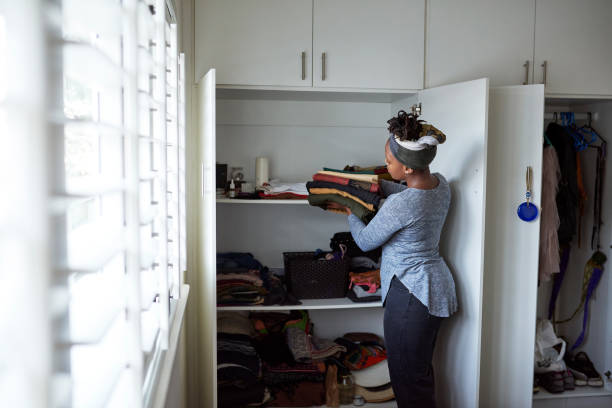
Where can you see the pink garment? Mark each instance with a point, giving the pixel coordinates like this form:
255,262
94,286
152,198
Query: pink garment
549,221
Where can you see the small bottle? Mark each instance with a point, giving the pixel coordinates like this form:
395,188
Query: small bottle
346,388
232,190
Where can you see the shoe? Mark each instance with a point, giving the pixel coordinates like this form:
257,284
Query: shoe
552,382
583,370
536,384
568,380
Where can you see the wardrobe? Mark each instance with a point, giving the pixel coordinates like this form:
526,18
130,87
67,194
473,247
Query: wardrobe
512,298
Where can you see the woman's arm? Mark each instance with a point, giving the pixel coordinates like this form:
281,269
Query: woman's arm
379,230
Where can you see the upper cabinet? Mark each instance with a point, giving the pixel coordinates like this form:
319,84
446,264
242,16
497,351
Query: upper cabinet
263,42
358,44
469,39
573,55
368,44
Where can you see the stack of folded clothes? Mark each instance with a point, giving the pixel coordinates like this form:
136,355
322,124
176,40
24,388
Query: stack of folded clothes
283,191
243,280
239,368
366,358
293,359
354,187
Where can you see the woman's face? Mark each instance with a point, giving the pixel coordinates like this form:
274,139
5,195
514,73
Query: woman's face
396,169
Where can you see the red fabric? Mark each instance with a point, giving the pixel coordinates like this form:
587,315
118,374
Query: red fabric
342,181
283,196
331,179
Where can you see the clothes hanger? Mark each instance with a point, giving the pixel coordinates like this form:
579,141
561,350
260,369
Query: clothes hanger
569,123
591,131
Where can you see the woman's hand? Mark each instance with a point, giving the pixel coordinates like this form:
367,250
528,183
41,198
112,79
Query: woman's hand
336,206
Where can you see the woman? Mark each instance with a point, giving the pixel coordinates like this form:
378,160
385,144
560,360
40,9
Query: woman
417,287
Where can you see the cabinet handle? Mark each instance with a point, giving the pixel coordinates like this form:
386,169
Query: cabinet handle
526,66
323,66
303,65
545,66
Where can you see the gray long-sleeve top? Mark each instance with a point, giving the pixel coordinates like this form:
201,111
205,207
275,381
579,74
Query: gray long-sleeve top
408,227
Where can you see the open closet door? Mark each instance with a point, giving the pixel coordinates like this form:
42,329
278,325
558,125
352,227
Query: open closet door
516,116
206,275
460,111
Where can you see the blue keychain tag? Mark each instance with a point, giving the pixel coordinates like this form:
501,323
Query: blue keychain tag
528,211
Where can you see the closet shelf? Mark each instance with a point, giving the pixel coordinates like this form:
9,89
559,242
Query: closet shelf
579,392
269,202
309,304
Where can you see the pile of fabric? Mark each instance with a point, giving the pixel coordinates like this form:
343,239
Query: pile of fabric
366,358
364,269
243,280
272,358
276,190
354,187
239,368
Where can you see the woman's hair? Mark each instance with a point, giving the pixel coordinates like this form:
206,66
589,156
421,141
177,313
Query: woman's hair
405,126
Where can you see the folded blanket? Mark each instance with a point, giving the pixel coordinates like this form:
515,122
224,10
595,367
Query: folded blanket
359,194
321,200
363,185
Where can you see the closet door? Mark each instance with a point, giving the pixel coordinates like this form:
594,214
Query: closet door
206,275
262,43
573,38
460,111
469,39
368,44
516,120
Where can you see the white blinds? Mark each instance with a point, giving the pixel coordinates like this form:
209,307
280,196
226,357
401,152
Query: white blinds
96,233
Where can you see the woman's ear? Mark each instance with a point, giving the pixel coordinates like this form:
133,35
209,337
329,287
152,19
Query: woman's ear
408,170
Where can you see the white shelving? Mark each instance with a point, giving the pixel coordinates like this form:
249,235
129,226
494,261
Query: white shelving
261,201
579,392
309,304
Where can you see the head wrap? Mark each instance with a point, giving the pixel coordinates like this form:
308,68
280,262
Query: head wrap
417,154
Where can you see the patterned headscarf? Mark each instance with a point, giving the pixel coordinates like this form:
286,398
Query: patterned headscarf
417,154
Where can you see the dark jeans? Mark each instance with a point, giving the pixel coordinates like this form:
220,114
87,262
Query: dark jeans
410,337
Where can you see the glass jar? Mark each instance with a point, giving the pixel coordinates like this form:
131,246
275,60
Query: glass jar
346,389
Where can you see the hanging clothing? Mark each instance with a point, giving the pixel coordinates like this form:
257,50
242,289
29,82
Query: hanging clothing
600,169
567,195
549,220
582,196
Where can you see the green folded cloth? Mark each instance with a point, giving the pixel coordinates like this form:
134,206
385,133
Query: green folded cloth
320,200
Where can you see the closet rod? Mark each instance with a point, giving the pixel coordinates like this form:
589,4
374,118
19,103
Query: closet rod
577,115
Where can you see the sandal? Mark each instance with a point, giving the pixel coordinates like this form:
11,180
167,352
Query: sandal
552,382
583,368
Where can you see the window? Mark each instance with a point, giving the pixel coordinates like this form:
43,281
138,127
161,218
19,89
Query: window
92,240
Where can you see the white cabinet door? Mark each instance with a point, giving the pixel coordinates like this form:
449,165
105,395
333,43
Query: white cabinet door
255,42
368,44
516,116
470,39
460,111
206,292
573,37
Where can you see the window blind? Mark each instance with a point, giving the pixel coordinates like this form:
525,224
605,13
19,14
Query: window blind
93,235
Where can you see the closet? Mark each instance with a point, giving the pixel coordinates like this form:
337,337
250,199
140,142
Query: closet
513,298
301,132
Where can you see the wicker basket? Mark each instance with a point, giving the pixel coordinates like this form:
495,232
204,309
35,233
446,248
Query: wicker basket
310,278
